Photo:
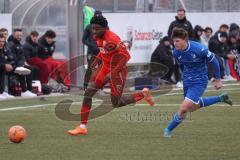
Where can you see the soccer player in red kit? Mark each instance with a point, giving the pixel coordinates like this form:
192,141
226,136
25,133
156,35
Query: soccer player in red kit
114,57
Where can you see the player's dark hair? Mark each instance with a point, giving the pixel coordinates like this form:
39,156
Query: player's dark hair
34,33
100,20
17,30
179,33
50,34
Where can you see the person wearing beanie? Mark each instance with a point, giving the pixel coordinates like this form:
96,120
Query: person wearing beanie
220,48
162,62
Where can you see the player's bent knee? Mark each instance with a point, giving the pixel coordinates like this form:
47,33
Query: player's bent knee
183,110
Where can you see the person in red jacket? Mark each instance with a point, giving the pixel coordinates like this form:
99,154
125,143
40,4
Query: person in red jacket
113,69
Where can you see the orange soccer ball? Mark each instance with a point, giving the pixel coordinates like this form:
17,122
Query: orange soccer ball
17,134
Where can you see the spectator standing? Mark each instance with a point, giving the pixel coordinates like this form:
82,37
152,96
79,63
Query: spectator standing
222,28
220,48
197,33
181,22
207,34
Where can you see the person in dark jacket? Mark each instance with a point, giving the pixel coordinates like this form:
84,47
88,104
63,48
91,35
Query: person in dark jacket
6,67
162,62
46,45
197,33
30,50
23,71
181,22
30,47
92,49
234,27
58,68
222,28
220,48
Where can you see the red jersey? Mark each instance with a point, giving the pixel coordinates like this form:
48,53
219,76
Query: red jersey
110,45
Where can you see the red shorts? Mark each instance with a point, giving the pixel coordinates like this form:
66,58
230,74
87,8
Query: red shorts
117,81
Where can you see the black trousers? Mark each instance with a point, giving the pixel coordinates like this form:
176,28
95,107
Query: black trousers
24,80
2,79
90,59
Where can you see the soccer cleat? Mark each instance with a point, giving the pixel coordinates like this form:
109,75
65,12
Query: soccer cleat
167,133
225,98
78,130
148,97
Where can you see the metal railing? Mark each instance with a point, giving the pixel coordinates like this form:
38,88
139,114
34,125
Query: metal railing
7,6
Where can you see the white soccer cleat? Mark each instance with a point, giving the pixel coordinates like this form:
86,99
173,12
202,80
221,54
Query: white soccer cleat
28,94
22,71
2,97
167,133
7,95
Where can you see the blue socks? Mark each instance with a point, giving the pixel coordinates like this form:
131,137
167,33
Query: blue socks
204,102
207,101
175,122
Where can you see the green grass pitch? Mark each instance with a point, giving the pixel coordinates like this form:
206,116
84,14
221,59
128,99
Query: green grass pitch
128,133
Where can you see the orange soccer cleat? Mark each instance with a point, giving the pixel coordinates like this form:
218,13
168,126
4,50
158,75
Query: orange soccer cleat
148,97
78,130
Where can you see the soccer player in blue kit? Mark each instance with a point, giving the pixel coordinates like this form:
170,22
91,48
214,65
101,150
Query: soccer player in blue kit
193,58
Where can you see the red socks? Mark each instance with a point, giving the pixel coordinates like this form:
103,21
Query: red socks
138,96
85,110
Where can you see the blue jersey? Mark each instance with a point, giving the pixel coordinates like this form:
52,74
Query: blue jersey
194,60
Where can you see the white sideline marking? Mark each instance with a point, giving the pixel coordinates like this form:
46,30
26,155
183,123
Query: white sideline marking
170,94
167,104
53,104
210,90
26,107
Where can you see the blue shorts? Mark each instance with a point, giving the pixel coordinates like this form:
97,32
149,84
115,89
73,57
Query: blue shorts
194,92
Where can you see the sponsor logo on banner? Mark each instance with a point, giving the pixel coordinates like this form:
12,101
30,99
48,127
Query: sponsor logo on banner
138,37
147,36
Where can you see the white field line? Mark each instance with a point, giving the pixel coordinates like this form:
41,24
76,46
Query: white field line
170,94
53,104
209,90
26,107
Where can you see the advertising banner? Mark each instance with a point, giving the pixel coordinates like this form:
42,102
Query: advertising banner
144,30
